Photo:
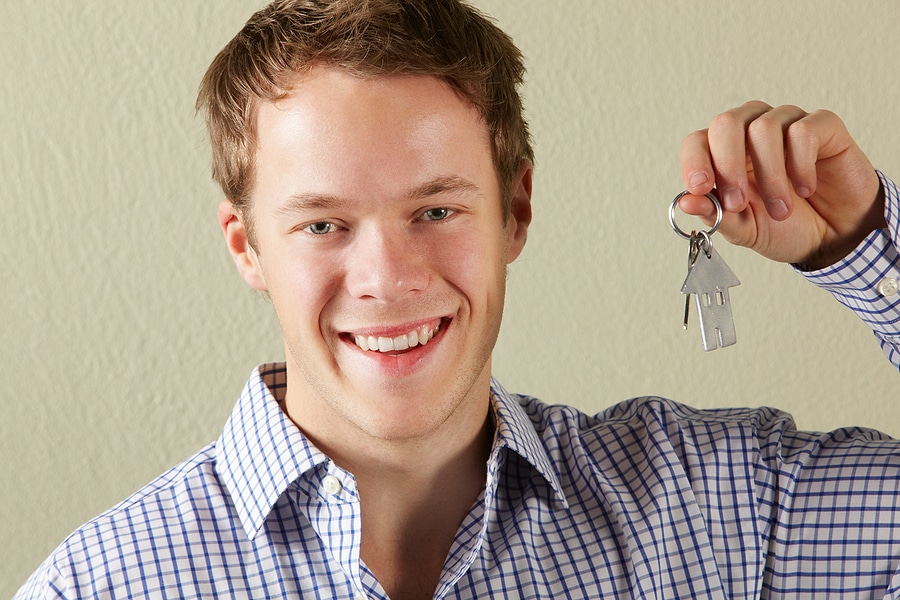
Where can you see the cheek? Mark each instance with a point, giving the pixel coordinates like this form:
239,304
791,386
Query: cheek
301,286
476,265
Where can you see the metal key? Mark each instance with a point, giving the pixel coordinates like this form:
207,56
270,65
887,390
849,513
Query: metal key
693,249
708,279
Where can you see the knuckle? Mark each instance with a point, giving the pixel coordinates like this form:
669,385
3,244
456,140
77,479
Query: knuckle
756,106
764,127
695,137
825,114
800,132
725,121
791,109
694,141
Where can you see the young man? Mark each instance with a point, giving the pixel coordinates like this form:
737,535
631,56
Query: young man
377,171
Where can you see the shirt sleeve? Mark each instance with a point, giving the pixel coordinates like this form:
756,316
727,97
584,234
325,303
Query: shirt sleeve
828,515
866,281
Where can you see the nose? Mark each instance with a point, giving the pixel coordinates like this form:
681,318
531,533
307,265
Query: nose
386,263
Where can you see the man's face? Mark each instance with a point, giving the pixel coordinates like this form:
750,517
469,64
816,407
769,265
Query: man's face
381,243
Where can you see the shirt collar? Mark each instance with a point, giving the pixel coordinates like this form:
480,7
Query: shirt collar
261,452
516,431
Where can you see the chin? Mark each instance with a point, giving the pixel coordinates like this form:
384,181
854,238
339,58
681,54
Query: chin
399,427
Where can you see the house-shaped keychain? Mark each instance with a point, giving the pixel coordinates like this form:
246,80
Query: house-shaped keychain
708,279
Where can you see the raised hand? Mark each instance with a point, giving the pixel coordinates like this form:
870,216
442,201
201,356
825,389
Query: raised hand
794,185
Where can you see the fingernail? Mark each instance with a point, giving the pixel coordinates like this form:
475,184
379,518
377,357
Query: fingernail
777,209
698,178
732,198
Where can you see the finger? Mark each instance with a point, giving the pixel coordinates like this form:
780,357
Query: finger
698,206
696,165
737,228
699,177
803,144
728,152
766,146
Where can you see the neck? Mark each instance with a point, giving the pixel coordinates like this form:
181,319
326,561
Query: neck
414,491
412,511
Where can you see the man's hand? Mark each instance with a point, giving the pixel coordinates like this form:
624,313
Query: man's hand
794,185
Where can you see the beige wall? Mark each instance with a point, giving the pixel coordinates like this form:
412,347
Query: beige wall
126,335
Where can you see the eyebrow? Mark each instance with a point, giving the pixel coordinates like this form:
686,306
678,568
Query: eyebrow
308,201
443,185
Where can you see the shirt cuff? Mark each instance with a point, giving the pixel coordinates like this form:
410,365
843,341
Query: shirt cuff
866,281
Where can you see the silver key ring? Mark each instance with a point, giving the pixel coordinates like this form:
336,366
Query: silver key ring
678,230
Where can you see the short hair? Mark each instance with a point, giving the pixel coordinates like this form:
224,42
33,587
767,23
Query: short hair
448,39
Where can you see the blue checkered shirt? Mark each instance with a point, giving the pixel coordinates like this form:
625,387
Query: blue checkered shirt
648,499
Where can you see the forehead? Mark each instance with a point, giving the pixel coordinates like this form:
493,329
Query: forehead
337,130
328,98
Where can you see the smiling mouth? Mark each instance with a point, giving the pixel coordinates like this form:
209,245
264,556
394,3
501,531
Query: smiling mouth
417,337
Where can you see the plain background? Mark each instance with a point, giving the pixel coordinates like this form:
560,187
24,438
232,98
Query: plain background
126,335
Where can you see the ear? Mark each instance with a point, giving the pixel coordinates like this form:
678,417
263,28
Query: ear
245,257
520,210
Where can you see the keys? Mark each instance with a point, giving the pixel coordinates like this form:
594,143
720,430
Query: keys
708,280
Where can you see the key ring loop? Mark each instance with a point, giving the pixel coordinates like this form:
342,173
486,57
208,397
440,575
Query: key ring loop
687,236
703,243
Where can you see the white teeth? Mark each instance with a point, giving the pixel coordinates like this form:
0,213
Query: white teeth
416,337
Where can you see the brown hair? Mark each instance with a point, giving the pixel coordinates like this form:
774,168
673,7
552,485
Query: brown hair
447,39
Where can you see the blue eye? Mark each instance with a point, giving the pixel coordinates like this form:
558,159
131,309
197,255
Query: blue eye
321,228
436,214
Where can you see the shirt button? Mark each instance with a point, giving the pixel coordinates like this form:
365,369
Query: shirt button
888,286
332,484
